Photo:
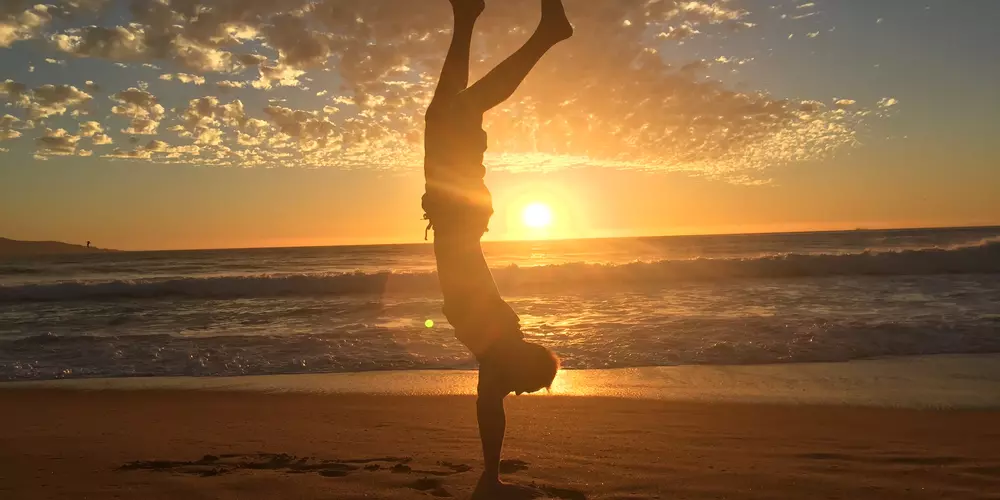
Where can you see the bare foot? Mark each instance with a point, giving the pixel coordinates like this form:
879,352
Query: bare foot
554,23
468,8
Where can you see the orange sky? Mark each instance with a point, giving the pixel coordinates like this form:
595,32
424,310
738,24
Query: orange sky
757,116
191,207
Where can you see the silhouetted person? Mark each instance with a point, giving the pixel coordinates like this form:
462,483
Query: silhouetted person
88,244
459,206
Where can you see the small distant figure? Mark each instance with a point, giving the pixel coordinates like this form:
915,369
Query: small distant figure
88,244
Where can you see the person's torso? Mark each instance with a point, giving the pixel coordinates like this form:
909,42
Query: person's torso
454,145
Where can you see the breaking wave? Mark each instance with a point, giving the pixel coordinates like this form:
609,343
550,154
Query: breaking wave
978,258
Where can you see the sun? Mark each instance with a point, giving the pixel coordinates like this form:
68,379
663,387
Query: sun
537,215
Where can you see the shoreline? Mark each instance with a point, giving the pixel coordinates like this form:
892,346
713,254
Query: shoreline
925,382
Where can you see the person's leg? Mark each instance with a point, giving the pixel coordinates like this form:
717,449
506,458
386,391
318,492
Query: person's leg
455,74
501,83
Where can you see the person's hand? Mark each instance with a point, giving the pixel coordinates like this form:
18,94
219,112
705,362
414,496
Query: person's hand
468,8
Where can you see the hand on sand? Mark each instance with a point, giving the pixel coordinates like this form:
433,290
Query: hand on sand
468,8
491,488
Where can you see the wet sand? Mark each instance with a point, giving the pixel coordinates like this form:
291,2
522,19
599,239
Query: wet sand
199,444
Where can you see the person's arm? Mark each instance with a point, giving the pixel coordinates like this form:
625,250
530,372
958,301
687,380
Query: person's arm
455,74
492,427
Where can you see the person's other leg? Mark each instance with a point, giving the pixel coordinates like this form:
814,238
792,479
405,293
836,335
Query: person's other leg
455,73
501,83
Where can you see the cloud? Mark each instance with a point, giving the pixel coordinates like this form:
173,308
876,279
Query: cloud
311,130
8,128
117,43
17,24
204,117
136,154
678,33
281,75
102,139
95,131
298,46
7,134
136,41
49,100
733,60
57,142
184,78
201,58
308,33
141,107
607,97
229,84
709,12
10,87
887,102
82,5
154,148
15,93
90,129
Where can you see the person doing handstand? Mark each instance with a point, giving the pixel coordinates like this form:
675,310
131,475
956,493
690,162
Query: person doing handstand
458,206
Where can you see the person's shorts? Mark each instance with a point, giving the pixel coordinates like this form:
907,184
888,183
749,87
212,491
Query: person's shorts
451,217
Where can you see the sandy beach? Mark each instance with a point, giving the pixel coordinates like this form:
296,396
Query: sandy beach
226,444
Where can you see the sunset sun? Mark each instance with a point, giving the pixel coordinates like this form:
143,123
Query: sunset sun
537,216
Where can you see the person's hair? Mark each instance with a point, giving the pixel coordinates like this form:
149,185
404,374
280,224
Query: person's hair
533,368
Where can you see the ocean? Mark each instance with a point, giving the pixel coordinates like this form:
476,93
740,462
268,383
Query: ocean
613,303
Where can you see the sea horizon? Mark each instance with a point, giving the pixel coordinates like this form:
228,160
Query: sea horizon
560,239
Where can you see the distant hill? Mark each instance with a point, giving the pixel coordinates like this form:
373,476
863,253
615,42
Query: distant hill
9,248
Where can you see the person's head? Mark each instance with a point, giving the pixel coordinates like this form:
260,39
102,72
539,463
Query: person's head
528,367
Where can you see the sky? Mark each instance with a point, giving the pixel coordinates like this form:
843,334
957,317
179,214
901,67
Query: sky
181,124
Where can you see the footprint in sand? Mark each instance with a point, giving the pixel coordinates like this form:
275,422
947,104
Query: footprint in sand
530,492
212,465
512,466
431,483
457,468
432,486
562,493
217,465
